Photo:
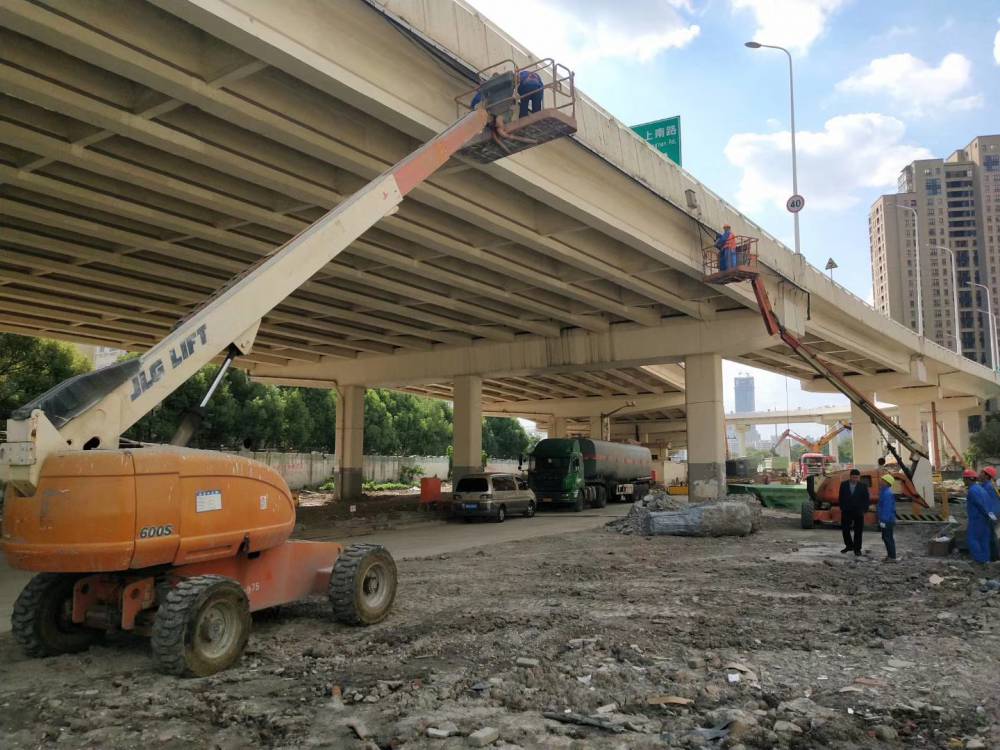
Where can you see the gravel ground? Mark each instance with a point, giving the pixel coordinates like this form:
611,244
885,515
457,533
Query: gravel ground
773,640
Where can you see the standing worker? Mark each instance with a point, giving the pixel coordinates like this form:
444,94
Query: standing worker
977,505
988,478
725,243
530,89
854,502
887,517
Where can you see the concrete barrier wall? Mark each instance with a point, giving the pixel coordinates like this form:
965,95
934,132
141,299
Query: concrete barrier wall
309,469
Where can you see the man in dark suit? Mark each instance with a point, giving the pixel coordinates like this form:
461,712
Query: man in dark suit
854,503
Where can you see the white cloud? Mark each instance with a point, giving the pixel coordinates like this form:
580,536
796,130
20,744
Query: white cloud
996,46
915,86
576,32
795,24
852,153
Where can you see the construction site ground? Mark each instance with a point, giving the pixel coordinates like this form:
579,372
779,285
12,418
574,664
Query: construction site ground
775,640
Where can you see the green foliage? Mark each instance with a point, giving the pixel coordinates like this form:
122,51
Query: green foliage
371,486
30,366
410,473
846,451
405,424
504,437
328,486
985,444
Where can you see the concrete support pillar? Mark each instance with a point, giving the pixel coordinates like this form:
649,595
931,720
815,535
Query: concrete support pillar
865,437
350,441
956,426
559,429
741,440
467,432
706,427
596,427
834,444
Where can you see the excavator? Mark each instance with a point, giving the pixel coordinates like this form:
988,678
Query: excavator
823,506
181,544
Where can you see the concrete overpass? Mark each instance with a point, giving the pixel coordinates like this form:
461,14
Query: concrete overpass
148,154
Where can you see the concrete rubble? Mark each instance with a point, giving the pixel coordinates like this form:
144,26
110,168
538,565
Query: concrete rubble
660,513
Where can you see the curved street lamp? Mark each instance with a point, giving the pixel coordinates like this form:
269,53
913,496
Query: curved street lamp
791,92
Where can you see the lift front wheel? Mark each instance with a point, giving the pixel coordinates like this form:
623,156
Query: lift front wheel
202,626
42,619
363,584
807,515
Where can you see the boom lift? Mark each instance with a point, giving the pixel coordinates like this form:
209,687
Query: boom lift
813,446
182,544
743,266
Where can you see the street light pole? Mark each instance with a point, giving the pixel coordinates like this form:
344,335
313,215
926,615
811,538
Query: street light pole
920,281
954,294
795,168
992,324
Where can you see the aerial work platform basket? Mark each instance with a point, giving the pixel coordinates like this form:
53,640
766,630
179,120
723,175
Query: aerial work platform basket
728,266
528,106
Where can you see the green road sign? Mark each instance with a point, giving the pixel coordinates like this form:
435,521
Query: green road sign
663,135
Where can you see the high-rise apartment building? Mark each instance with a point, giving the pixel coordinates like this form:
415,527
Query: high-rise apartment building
744,393
946,209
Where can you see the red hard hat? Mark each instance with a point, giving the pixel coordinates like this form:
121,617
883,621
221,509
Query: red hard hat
990,472
969,474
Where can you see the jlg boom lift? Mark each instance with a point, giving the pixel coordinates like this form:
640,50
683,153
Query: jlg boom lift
182,544
742,265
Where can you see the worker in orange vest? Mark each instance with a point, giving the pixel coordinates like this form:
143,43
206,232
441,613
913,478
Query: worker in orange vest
725,243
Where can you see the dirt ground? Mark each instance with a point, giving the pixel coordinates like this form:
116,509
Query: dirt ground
775,640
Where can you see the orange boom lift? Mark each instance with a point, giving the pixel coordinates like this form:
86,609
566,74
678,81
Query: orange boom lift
181,544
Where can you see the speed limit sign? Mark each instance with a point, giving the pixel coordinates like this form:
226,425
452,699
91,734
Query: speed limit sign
795,204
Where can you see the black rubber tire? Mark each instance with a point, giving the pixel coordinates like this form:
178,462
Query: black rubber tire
578,503
530,511
358,568
179,646
601,498
501,515
41,618
807,515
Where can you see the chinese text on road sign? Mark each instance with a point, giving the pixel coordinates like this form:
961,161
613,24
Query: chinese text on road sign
663,135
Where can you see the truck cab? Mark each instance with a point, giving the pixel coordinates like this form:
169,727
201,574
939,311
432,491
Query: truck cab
555,473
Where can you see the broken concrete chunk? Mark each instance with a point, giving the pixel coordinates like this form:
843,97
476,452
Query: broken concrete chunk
667,700
787,727
483,737
523,661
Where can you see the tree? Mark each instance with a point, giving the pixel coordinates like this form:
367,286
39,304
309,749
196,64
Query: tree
985,444
504,437
31,366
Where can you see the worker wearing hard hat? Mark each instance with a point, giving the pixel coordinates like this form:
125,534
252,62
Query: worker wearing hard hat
978,504
725,243
988,477
887,516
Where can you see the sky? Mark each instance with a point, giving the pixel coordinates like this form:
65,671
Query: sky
877,85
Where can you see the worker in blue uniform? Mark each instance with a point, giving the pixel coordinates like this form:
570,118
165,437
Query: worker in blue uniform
530,89
887,516
988,478
977,506
725,243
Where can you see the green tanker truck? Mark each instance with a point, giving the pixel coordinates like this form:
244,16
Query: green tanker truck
582,472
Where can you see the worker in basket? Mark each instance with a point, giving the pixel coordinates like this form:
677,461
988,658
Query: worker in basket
725,243
530,89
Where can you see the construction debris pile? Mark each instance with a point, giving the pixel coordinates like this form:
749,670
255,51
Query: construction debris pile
660,513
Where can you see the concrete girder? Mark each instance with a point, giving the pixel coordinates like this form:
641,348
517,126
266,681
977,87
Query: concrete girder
917,396
624,345
585,406
134,64
670,374
882,381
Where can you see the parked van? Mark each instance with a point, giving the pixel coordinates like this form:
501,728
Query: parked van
492,496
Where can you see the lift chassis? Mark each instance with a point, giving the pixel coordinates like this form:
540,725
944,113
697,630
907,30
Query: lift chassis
181,544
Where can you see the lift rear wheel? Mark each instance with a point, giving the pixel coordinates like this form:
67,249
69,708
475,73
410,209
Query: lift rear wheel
807,515
201,627
363,584
42,619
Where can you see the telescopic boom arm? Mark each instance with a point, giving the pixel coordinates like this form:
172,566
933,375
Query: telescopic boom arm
93,410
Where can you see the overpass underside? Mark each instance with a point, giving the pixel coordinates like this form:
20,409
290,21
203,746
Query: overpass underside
151,150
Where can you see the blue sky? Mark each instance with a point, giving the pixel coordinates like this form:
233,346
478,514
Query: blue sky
877,85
